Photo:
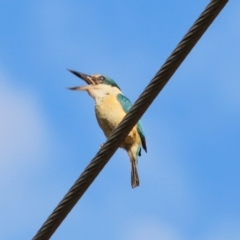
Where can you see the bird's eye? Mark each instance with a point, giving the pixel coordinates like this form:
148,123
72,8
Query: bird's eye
101,78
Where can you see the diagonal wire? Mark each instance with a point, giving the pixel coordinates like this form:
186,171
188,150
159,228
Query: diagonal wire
140,106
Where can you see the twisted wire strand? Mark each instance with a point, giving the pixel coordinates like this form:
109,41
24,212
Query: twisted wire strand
140,106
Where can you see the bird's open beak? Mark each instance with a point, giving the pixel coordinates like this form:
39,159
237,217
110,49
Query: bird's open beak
87,78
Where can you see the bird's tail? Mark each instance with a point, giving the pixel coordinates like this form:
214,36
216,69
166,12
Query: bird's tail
134,174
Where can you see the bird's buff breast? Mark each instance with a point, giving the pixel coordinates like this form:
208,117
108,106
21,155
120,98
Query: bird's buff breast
109,113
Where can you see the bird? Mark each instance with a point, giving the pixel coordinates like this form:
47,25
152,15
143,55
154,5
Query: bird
110,108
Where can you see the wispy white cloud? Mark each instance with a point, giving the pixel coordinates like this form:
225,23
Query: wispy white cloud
152,229
24,137
222,230
24,146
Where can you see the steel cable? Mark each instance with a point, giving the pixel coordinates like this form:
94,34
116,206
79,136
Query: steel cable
140,106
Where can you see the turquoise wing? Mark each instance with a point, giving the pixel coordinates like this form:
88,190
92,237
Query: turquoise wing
126,105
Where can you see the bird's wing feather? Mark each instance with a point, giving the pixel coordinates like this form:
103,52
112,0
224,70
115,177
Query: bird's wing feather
126,105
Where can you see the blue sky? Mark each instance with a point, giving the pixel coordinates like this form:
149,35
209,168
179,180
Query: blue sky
190,176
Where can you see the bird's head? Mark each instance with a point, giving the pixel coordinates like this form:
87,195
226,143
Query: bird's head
97,84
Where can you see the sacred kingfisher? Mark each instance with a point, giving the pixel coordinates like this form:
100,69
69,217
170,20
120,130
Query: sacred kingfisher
110,108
